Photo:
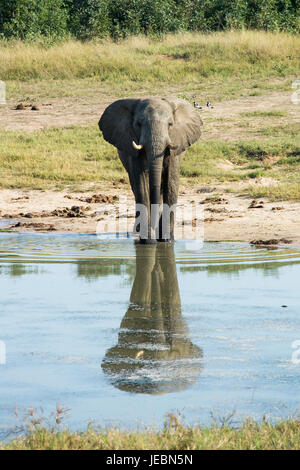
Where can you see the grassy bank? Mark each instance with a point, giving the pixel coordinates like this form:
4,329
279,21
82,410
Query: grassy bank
238,146
284,435
79,158
186,61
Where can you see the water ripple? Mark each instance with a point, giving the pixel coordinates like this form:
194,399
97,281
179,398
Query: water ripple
68,248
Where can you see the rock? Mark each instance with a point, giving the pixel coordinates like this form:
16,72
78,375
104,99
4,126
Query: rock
74,211
256,205
272,242
206,189
36,226
21,106
217,210
21,198
214,200
99,199
213,219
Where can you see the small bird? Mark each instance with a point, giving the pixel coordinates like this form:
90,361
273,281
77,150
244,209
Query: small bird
197,105
208,104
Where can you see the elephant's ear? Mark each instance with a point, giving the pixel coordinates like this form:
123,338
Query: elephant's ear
187,126
116,124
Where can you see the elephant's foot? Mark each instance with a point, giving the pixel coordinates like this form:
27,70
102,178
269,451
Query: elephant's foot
166,237
147,241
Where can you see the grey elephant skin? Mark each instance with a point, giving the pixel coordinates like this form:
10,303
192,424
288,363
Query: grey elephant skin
151,136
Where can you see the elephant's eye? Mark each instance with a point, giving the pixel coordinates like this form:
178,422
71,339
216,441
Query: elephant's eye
170,124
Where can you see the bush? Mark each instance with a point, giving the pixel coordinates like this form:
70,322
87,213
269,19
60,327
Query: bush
29,19
87,19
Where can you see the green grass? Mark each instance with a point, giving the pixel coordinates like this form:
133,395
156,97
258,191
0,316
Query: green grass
276,192
78,157
284,435
57,158
291,130
273,113
271,158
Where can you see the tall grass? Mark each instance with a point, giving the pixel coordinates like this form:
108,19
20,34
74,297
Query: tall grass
181,58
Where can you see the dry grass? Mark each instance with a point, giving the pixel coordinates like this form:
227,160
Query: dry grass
183,58
220,66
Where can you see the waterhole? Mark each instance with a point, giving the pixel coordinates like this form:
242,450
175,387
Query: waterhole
124,334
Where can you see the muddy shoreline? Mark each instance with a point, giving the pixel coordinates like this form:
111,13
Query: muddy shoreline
226,216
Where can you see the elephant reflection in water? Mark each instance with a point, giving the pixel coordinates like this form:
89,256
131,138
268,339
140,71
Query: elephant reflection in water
154,353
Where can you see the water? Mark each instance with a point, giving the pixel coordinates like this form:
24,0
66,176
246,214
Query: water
123,334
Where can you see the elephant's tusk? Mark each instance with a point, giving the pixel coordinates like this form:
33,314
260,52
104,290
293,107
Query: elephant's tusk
136,146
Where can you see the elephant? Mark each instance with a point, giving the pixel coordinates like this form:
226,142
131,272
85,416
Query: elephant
154,353
151,136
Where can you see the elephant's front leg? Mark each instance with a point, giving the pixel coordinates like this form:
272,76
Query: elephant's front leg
142,206
170,187
139,181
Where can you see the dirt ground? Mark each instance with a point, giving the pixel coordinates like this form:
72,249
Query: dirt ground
226,216
62,112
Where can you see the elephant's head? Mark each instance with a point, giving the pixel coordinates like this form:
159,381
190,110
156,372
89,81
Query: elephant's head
151,128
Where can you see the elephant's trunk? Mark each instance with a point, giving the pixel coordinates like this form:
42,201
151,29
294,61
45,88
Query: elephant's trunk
155,144
155,172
